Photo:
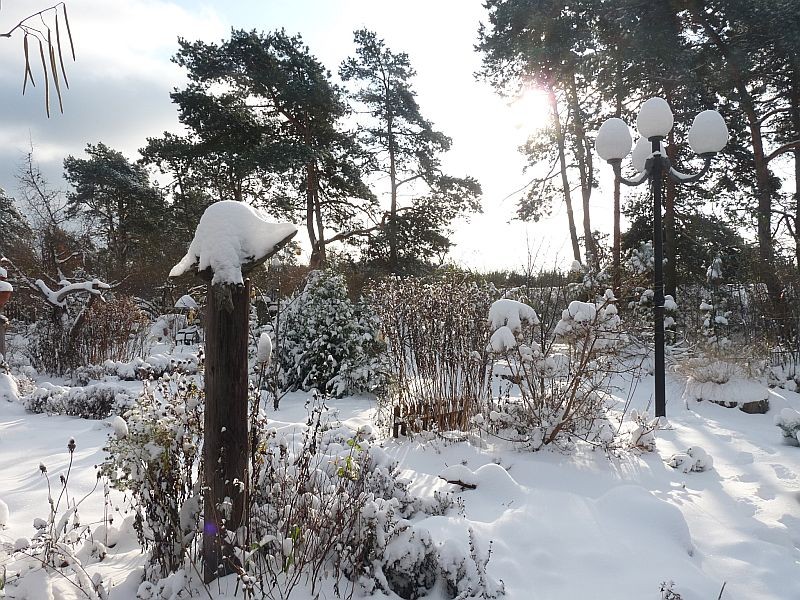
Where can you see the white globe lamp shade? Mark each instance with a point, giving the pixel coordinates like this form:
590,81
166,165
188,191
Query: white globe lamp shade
613,140
642,151
708,134
655,118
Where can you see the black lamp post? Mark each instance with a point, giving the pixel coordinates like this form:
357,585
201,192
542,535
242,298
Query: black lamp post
707,136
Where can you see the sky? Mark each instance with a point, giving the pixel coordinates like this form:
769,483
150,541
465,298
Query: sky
121,80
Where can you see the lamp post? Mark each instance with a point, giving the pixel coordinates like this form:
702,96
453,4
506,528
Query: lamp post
707,136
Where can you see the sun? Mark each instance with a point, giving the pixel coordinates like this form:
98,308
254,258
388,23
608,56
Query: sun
530,110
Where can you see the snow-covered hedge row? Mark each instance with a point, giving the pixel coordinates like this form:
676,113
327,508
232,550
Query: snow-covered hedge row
97,401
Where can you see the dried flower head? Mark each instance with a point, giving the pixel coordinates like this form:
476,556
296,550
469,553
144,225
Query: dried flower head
71,445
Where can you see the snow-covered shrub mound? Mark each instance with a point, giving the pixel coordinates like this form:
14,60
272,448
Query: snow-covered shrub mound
160,442
98,401
231,234
328,342
694,459
8,388
643,435
555,397
154,366
789,422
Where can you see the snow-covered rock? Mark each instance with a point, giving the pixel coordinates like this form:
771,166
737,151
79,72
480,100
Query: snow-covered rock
789,422
747,394
231,234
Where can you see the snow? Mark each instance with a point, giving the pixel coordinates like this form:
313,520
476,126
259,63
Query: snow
708,133
8,388
6,287
736,391
581,312
669,303
59,297
186,301
4,514
3,273
502,340
512,314
613,139
231,234
655,118
264,349
578,524
119,426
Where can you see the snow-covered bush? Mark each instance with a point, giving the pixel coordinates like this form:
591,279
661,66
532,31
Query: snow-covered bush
157,461
328,342
436,334
62,543
695,459
96,401
789,422
643,435
333,501
562,394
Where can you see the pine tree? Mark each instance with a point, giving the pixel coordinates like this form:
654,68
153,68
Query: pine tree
328,342
406,148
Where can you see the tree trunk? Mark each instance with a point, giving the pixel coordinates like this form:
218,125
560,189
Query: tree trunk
225,432
573,234
584,170
795,116
764,186
393,262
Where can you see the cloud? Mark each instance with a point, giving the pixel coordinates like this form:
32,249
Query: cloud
119,84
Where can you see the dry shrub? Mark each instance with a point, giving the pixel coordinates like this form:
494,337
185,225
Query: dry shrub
436,334
114,330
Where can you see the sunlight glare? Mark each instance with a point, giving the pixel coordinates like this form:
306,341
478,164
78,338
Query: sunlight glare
530,110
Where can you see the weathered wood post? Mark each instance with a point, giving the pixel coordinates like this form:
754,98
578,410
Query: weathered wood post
231,239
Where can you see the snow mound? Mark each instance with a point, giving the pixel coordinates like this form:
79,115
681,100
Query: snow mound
459,474
511,314
119,425
694,459
8,388
789,422
229,235
264,351
6,287
734,392
186,301
502,340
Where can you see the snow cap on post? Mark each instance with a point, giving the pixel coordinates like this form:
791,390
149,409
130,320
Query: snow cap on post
709,133
655,118
613,140
232,237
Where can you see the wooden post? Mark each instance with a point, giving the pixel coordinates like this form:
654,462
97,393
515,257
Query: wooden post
225,446
2,336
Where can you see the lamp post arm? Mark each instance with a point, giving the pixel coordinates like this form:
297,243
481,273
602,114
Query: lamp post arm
676,175
640,179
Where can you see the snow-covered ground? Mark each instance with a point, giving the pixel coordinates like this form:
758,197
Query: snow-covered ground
561,525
